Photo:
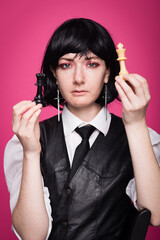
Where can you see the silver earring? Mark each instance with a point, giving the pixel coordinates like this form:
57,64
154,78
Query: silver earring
58,103
105,97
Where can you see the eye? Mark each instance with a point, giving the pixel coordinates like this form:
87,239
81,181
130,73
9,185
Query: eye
93,64
65,65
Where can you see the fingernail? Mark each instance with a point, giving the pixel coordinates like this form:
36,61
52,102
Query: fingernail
40,105
125,75
117,78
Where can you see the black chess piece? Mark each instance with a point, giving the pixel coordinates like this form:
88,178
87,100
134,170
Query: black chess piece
40,84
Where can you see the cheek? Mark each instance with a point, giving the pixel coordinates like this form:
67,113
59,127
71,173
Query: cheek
63,88
97,81
62,81
63,77
96,75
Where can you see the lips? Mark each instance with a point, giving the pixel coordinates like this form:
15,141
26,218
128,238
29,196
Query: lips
79,92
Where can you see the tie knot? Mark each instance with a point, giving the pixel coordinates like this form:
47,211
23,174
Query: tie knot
85,132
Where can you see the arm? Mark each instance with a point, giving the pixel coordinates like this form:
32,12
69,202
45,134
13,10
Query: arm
135,98
29,216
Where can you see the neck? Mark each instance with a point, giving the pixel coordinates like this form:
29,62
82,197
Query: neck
86,114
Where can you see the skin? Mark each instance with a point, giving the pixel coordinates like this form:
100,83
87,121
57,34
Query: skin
135,97
80,80
29,217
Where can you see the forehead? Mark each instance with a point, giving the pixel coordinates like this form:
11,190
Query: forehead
87,55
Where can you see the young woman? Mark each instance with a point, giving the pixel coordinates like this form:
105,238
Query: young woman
54,196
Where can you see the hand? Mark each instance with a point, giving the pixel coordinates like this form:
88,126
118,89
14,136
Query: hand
25,125
135,96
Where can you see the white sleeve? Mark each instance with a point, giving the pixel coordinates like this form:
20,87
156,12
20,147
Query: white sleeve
13,160
131,187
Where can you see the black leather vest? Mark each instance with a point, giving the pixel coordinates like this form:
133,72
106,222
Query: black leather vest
93,205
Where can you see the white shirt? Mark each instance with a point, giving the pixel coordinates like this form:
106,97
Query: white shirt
13,156
71,122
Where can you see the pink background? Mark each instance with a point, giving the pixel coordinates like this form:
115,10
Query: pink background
25,29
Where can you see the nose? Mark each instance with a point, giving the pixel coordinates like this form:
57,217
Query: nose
79,74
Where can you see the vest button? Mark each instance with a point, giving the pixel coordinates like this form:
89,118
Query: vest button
68,191
64,224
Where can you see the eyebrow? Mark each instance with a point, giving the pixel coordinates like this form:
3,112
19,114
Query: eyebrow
86,58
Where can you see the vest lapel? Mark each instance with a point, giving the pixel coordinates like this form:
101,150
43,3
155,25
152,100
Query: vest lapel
57,158
106,152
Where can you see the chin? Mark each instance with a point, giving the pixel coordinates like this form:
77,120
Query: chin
81,104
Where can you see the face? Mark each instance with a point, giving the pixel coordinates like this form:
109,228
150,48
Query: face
81,79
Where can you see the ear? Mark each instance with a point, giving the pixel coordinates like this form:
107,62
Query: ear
107,74
54,73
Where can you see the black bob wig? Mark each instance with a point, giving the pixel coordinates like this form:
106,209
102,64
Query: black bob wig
79,36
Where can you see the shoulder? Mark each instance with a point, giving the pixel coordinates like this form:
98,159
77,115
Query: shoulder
116,119
48,128
117,124
49,122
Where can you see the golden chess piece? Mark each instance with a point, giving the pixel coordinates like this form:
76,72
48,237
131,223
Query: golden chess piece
121,58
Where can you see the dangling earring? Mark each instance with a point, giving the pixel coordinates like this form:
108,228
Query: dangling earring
58,103
105,97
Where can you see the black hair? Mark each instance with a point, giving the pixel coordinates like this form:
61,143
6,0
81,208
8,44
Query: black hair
79,36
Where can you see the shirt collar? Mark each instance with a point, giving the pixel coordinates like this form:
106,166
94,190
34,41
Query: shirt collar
100,122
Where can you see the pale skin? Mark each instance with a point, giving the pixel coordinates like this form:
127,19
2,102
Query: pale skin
80,80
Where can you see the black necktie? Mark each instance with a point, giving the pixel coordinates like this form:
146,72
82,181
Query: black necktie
82,149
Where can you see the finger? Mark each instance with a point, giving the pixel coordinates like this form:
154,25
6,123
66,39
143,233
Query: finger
144,84
27,116
36,125
123,97
22,106
34,120
127,90
136,85
18,110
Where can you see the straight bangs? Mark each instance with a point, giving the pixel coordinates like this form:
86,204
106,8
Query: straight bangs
77,37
